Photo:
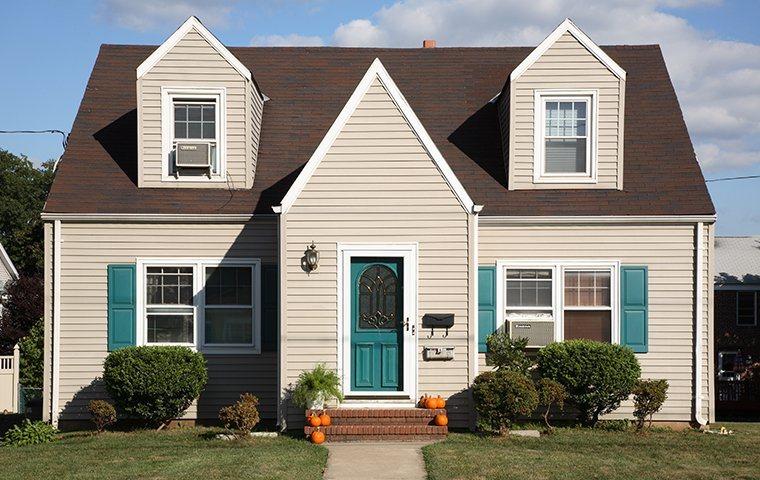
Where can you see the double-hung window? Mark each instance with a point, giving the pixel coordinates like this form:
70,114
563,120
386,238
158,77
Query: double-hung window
588,305
193,118
212,305
746,309
579,297
564,146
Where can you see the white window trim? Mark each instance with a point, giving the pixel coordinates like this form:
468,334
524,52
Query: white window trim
199,266
539,130
168,95
754,310
558,268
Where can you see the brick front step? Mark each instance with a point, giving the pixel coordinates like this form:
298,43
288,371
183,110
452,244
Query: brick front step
356,424
366,416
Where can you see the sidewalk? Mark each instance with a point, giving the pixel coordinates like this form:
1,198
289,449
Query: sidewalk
375,460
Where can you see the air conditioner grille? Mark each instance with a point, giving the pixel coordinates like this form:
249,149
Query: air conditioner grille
538,332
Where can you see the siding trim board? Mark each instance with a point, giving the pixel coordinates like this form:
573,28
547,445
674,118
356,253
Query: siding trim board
376,71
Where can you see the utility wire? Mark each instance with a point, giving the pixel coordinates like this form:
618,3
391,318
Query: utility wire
64,141
745,177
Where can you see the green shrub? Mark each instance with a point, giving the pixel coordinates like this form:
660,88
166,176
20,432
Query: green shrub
506,353
31,349
242,416
29,433
551,392
155,384
103,414
316,387
597,376
648,397
501,396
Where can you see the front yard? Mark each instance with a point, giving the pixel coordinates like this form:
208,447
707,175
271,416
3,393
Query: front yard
181,453
586,454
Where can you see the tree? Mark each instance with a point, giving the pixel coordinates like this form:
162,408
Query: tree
23,191
32,347
22,309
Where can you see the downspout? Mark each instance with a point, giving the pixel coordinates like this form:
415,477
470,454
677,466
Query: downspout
56,375
699,320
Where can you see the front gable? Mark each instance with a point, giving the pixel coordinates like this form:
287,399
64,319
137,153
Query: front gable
378,135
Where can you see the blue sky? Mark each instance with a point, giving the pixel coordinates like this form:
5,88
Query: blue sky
712,48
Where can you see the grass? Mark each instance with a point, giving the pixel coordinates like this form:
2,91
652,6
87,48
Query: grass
576,453
181,453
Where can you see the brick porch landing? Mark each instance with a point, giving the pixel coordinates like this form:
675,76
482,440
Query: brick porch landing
368,424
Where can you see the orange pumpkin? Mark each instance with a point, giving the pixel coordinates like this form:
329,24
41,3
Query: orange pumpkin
440,402
421,403
441,420
431,403
317,437
325,419
314,421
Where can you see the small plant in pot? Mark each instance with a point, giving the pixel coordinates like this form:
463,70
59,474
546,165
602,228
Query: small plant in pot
316,387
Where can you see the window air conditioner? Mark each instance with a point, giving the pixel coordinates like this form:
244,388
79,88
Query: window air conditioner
193,155
538,329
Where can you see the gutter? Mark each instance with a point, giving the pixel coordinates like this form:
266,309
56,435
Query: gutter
593,219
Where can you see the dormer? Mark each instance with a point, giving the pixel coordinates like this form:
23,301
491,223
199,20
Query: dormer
563,109
198,114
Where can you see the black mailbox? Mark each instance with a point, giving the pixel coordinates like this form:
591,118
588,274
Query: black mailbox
438,320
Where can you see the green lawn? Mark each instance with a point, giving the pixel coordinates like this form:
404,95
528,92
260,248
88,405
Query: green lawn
588,454
181,453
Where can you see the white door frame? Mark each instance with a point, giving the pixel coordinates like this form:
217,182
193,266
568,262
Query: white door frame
408,252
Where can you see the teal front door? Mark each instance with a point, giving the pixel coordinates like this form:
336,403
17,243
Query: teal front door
377,309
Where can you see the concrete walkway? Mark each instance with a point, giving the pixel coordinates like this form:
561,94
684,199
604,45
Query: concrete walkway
375,460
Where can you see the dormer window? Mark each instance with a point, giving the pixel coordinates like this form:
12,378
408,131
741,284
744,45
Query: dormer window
193,134
565,147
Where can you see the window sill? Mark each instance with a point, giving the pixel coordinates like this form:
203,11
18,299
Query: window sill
232,350
571,180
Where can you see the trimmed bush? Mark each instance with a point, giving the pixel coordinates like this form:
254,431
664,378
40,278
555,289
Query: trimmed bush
29,433
501,396
597,376
242,416
551,392
506,353
103,414
155,384
648,397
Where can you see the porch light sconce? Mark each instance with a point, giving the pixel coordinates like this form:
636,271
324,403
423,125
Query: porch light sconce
311,257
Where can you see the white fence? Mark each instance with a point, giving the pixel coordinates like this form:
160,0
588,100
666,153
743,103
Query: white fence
9,382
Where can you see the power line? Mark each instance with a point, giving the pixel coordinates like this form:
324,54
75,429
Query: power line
64,140
745,177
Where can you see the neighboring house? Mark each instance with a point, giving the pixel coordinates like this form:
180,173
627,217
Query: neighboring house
8,272
553,191
737,330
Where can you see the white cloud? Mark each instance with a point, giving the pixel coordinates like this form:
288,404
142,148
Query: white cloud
716,80
149,14
290,40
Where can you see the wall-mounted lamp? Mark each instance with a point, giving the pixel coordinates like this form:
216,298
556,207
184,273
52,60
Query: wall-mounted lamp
311,257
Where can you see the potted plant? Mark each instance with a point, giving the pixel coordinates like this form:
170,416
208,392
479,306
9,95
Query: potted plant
315,387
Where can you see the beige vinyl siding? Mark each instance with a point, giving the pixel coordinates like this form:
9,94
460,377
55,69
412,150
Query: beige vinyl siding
87,249
669,253
566,65
193,62
377,185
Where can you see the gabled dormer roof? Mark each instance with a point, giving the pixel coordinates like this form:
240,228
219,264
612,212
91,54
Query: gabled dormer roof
567,27
190,24
376,71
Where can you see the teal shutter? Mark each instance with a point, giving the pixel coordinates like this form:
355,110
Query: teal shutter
486,305
634,308
121,306
269,307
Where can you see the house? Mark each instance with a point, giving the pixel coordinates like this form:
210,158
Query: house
8,273
236,201
737,331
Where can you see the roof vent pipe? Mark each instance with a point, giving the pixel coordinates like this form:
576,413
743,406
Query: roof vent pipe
428,44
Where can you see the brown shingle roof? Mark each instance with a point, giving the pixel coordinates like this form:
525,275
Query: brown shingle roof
448,88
